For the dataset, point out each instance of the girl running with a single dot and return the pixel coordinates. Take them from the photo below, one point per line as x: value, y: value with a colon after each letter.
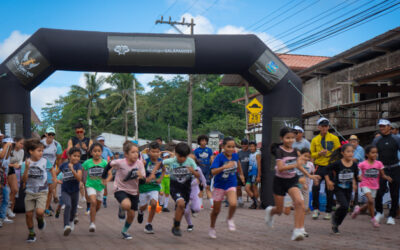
x: 72, y: 175
x: 286, y: 180
x: 14, y: 172
x: 304, y: 181
x: 129, y: 174
x: 94, y: 186
x: 35, y: 180
x: 344, y: 172
x: 370, y: 171
x: 224, y: 168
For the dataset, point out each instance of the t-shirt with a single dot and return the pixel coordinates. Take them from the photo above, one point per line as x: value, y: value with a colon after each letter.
x: 304, y: 143
x: 359, y: 153
x: 227, y: 178
x: 107, y: 154
x: 244, y: 161
x: 126, y: 175
x: 37, y: 176
x: 51, y: 151
x: 69, y: 183
x: 288, y: 158
x: 370, y: 174
x: 388, y: 146
x: 178, y: 171
x: 344, y: 175
x: 153, y: 185
x: 253, y: 166
x: 17, y: 157
x: 203, y: 155
x: 94, y: 173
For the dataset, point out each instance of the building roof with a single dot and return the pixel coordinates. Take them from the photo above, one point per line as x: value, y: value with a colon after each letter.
x: 34, y: 117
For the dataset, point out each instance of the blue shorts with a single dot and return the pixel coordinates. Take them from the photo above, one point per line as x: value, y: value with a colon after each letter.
x: 207, y: 174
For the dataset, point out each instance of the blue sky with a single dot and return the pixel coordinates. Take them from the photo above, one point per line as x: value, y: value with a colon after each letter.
x: 21, y: 18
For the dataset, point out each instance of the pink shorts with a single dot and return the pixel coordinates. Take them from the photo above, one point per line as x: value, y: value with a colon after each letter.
x: 218, y: 193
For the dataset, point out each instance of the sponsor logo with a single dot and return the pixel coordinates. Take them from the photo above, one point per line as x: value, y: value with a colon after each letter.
x: 272, y: 67
x: 121, y: 49
x: 25, y: 64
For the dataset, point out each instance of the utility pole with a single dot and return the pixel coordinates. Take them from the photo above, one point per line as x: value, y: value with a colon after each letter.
x: 190, y: 87
x: 135, y: 116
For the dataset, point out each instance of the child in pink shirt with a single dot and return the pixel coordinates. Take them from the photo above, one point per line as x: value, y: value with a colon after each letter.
x: 370, y: 171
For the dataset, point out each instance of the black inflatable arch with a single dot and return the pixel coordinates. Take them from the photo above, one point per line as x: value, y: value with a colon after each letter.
x: 49, y: 50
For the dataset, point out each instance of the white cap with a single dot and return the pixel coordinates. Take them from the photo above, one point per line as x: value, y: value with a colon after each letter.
x: 8, y: 139
x: 322, y: 119
x: 383, y: 122
x: 100, y: 138
x: 298, y: 128
x: 165, y: 154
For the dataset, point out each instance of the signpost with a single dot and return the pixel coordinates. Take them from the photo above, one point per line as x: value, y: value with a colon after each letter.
x: 255, y: 108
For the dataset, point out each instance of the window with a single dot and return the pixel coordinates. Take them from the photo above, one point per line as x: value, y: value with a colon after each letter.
x: 335, y: 96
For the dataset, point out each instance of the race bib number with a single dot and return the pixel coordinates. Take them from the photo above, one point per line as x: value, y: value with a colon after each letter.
x: 291, y: 162
x: 232, y: 170
x: 68, y: 176
x: 181, y: 174
x: 345, y: 179
x: 35, y: 173
x: 96, y: 172
x: 131, y: 175
x: 371, y: 173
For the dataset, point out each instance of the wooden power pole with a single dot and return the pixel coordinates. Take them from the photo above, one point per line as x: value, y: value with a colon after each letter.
x: 191, y: 80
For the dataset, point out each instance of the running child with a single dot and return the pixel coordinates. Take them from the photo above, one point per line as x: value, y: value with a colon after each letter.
x: 287, y: 181
x: 254, y: 174
x: 224, y: 168
x: 181, y: 169
x: 163, y: 198
x: 129, y: 174
x: 344, y: 172
x: 371, y: 169
x: 35, y: 182
x: 149, y: 190
x: 304, y: 181
x: 72, y: 175
x: 94, y: 186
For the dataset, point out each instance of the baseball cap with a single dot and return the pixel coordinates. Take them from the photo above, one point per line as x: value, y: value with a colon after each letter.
x: 323, y: 121
x: 165, y: 154
x: 394, y: 125
x: 8, y: 139
x: 298, y: 128
x: 353, y: 137
x: 100, y: 138
x: 50, y: 130
x: 383, y: 122
x: 244, y: 141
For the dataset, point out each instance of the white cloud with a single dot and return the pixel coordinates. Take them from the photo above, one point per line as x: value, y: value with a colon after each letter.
x: 11, y: 43
x: 42, y: 95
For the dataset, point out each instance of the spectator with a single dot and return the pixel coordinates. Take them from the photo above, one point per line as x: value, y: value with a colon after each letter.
x: 300, y: 142
x: 359, y: 154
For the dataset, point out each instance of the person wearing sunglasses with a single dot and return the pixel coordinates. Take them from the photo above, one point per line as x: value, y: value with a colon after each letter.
x: 52, y: 152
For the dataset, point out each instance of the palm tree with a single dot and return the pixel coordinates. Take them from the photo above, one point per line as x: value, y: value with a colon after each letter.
x: 90, y: 95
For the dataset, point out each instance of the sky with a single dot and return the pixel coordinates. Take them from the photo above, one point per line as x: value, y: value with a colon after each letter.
x: 274, y: 22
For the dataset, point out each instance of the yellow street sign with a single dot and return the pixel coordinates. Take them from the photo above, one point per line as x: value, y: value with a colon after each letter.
x: 254, y: 118
x: 254, y: 106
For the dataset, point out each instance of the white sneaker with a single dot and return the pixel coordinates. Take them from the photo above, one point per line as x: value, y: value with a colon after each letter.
x: 269, y: 219
x: 72, y: 225
x: 390, y: 221
x: 303, y: 230
x: 63, y: 207
x: 10, y: 213
x: 378, y: 217
x: 7, y: 221
x: 67, y: 230
x: 315, y: 214
x: 92, y: 227
x: 79, y: 207
x: 297, y: 234
x: 231, y: 225
x: 212, y: 233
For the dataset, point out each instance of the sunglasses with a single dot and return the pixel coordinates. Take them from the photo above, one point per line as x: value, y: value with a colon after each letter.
x: 51, y: 134
x: 79, y: 132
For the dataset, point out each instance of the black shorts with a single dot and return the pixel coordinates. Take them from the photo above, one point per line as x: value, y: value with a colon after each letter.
x: 180, y: 191
x: 122, y: 195
x: 11, y: 170
x: 282, y: 185
x: 239, y: 181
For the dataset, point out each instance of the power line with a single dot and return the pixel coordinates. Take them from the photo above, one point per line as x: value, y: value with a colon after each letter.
x: 204, y: 11
x: 190, y: 7
x: 169, y: 8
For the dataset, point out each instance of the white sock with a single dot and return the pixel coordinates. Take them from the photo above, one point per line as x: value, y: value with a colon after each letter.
x: 166, y: 202
x: 211, y: 202
x: 201, y: 202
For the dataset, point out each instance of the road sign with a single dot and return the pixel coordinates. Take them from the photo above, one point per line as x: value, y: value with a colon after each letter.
x: 254, y: 106
x: 254, y: 118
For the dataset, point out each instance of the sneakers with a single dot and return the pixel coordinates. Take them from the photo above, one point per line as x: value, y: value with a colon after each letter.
x: 87, y: 211
x: 126, y: 236
x: 10, y: 213
x: 148, y: 229
x: 297, y: 234
x: 315, y: 214
x: 355, y: 212
x: 92, y: 227
x: 378, y: 217
x: 176, y: 231
x: 327, y: 216
x: 140, y: 218
x: 57, y: 214
x: 269, y: 219
x: 79, y: 207
x: 375, y: 223
x: 41, y: 224
x: 212, y: 233
x: 390, y: 221
x: 335, y: 228
x: 105, y: 203
x: 47, y: 212
x: 190, y: 228
x: 67, y: 230
x: 63, y: 207
x: 76, y: 220
x: 121, y: 214
x: 31, y: 238
x: 231, y: 225
x: 303, y: 230
x: 72, y: 225
x: 165, y: 209
x: 7, y: 221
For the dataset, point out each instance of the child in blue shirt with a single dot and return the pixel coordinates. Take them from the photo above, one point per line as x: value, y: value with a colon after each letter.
x: 203, y: 155
x: 254, y: 174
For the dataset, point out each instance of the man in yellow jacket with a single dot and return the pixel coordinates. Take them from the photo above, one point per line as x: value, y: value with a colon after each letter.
x: 322, y: 146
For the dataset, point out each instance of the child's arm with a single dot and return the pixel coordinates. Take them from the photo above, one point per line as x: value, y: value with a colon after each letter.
x: 77, y: 174
x: 25, y: 176
x: 194, y: 172
x: 329, y: 183
x: 258, y: 157
x: 216, y: 171
x: 240, y: 170
x: 384, y: 176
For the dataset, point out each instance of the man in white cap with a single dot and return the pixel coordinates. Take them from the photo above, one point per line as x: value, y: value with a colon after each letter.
x: 388, y: 146
x: 108, y: 156
x: 395, y: 128
x: 300, y: 142
x: 322, y: 146
x: 359, y: 154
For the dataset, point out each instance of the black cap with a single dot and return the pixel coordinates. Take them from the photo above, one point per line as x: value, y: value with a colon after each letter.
x: 244, y: 141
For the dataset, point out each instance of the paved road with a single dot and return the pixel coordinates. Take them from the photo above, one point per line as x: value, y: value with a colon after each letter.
x: 252, y: 233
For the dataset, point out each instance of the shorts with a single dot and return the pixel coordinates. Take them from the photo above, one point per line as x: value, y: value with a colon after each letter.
x: 282, y: 185
x: 122, y: 195
x: 251, y: 179
x: 207, y: 174
x: 165, y: 182
x: 239, y: 181
x: 145, y: 198
x: 35, y: 201
x: 219, y: 193
x: 181, y: 191
x: 11, y: 171
x: 369, y: 190
x: 91, y: 191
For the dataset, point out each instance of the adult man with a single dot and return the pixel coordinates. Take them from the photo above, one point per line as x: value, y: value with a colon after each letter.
x: 359, y: 154
x: 322, y: 146
x: 388, y: 146
x: 52, y: 152
x: 244, y: 155
x: 108, y: 156
x: 300, y: 142
x: 395, y: 128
